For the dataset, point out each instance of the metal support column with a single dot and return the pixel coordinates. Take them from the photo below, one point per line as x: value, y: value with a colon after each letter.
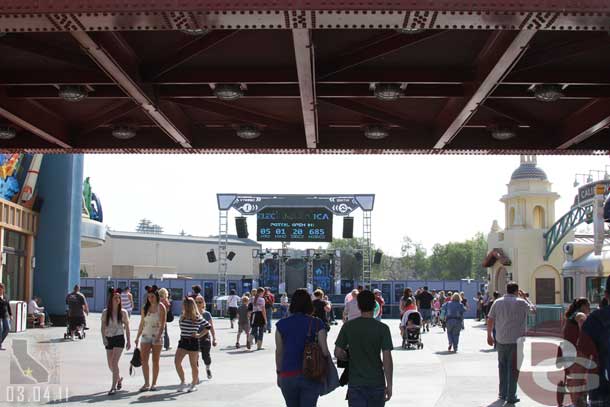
x: 223, y: 240
x: 309, y: 282
x: 337, y: 271
x: 282, y: 268
x: 367, y: 263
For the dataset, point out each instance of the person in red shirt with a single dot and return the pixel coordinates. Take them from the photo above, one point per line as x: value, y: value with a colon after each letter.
x: 381, y: 303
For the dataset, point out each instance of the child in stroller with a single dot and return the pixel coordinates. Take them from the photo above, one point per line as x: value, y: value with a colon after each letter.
x: 410, y: 330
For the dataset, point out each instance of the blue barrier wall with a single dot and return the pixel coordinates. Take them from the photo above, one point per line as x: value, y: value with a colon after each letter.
x: 57, y: 247
x: 96, y: 289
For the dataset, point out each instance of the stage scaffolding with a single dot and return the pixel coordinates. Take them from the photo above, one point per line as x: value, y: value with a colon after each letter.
x: 339, y: 205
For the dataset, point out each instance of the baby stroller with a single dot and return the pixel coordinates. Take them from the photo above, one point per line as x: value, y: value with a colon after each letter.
x: 77, y: 325
x: 411, y: 330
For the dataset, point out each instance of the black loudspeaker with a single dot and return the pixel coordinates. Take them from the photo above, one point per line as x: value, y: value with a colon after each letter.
x: 230, y: 256
x: 241, y: 225
x: 348, y: 227
x: 358, y: 256
x: 377, y: 258
x: 211, y: 256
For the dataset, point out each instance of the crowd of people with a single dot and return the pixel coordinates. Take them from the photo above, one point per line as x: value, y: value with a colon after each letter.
x: 304, y: 365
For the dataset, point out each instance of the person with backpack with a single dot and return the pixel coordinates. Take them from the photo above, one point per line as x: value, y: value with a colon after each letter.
x: 594, y: 344
x: 233, y: 303
x: 370, y: 359
x: 269, y: 300
x: 508, y: 315
x: 294, y: 336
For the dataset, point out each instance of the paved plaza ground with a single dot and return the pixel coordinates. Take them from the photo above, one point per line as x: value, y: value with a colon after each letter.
x: 426, y: 378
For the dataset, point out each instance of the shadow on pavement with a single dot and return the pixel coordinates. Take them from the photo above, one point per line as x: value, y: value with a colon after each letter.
x: 444, y: 352
x: 498, y: 403
x: 239, y: 352
x: 101, y: 397
x: 489, y: 350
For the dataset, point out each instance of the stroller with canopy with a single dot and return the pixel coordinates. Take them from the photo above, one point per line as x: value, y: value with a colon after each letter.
x: 410, y: 327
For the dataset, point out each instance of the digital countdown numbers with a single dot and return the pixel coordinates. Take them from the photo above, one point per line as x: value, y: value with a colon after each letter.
x: 294, y: 225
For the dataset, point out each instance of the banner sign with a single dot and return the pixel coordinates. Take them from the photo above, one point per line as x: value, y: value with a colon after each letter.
x: 586, y: 193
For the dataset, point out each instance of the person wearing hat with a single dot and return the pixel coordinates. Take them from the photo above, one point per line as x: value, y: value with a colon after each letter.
x: 380, y: 303
x: 594, y: 344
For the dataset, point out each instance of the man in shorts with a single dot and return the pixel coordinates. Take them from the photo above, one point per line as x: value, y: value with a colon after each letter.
x: 77, y: 309
x: 424, y: 304
x: 243, y: 321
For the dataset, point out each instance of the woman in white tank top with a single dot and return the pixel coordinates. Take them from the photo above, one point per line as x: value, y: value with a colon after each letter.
x: 115, y: 327
x: 150, y: 335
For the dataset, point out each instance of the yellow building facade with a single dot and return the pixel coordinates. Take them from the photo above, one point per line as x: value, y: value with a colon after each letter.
x: 516, y: 252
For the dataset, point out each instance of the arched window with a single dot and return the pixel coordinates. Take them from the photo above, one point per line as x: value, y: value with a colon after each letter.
x: 539, y: 218
x: 511, y: 216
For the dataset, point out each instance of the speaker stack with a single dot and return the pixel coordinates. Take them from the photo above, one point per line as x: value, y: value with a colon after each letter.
x: 241, y: 225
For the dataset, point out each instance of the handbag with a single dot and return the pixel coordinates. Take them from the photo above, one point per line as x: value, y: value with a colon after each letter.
x: 331, y: 381
x: 136, y: 361
x: 314, y: 361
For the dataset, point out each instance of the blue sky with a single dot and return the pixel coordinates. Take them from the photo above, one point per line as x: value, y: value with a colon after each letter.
x: 432, y: 199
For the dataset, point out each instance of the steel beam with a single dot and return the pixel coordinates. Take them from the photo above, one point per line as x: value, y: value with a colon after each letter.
x: 106, y: 116
x: 190, y: 49
x: 373, y: 113
x: 374, y: 49
x: 107, y: 55
x: 25, y: 43
x: 187, y: 6
x: 512, y: 114
x: 501, y: 52
x: 233, y: 112
x: 551, y: 54
x: 304, y: 55
x: 35, y: 118
x: 589, y: 120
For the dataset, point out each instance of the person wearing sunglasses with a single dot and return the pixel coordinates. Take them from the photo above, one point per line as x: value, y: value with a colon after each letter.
x: 206, y: 342
x: 150, y: 334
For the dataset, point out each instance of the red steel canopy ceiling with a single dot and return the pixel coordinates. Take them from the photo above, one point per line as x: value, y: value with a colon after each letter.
x: 467, y: 75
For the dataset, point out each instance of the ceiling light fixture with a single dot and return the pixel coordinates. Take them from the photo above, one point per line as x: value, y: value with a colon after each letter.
x: 73, y: 93
x: 248, y: 132
x: 502, y: 132
x: 388, y: 91
x: 375, y: 132
x: 548, y: 93
x: 228, y: 91
x: 123, y: 132
x: 195, y: 32
x: 7, y: 133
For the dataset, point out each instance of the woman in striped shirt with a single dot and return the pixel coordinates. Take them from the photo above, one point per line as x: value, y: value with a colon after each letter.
x: 192, y: 327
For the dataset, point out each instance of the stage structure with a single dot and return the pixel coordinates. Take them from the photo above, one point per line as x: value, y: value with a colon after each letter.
x: 294, y: 218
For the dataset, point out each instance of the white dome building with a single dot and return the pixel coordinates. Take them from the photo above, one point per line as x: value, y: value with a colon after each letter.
x: 517, y: 251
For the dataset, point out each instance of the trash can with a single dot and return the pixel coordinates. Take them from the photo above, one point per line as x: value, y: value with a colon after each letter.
x: 19, y: 309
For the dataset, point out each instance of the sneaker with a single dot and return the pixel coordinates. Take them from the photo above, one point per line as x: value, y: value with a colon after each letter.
x: 192, y: 388
x: 181, y: 387
x: 248, y: 346
x: 513, y: 401
x: 236, y: 345
x: 209, y: 373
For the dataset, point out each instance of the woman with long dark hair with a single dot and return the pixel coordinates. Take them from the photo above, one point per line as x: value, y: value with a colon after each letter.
x: 150, y: 331
x: 258, y: 317
x: 115, y: 326
x: 192, y: 327
x: 575, y: 317
x: 407, y: 294
x: 290, y: 337
x: 207, y: 341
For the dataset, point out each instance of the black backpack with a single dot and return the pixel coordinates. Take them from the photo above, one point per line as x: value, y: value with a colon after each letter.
x: 136, y: 361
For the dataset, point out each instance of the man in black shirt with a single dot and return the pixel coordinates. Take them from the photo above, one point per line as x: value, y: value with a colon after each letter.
x: 424, y: 304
